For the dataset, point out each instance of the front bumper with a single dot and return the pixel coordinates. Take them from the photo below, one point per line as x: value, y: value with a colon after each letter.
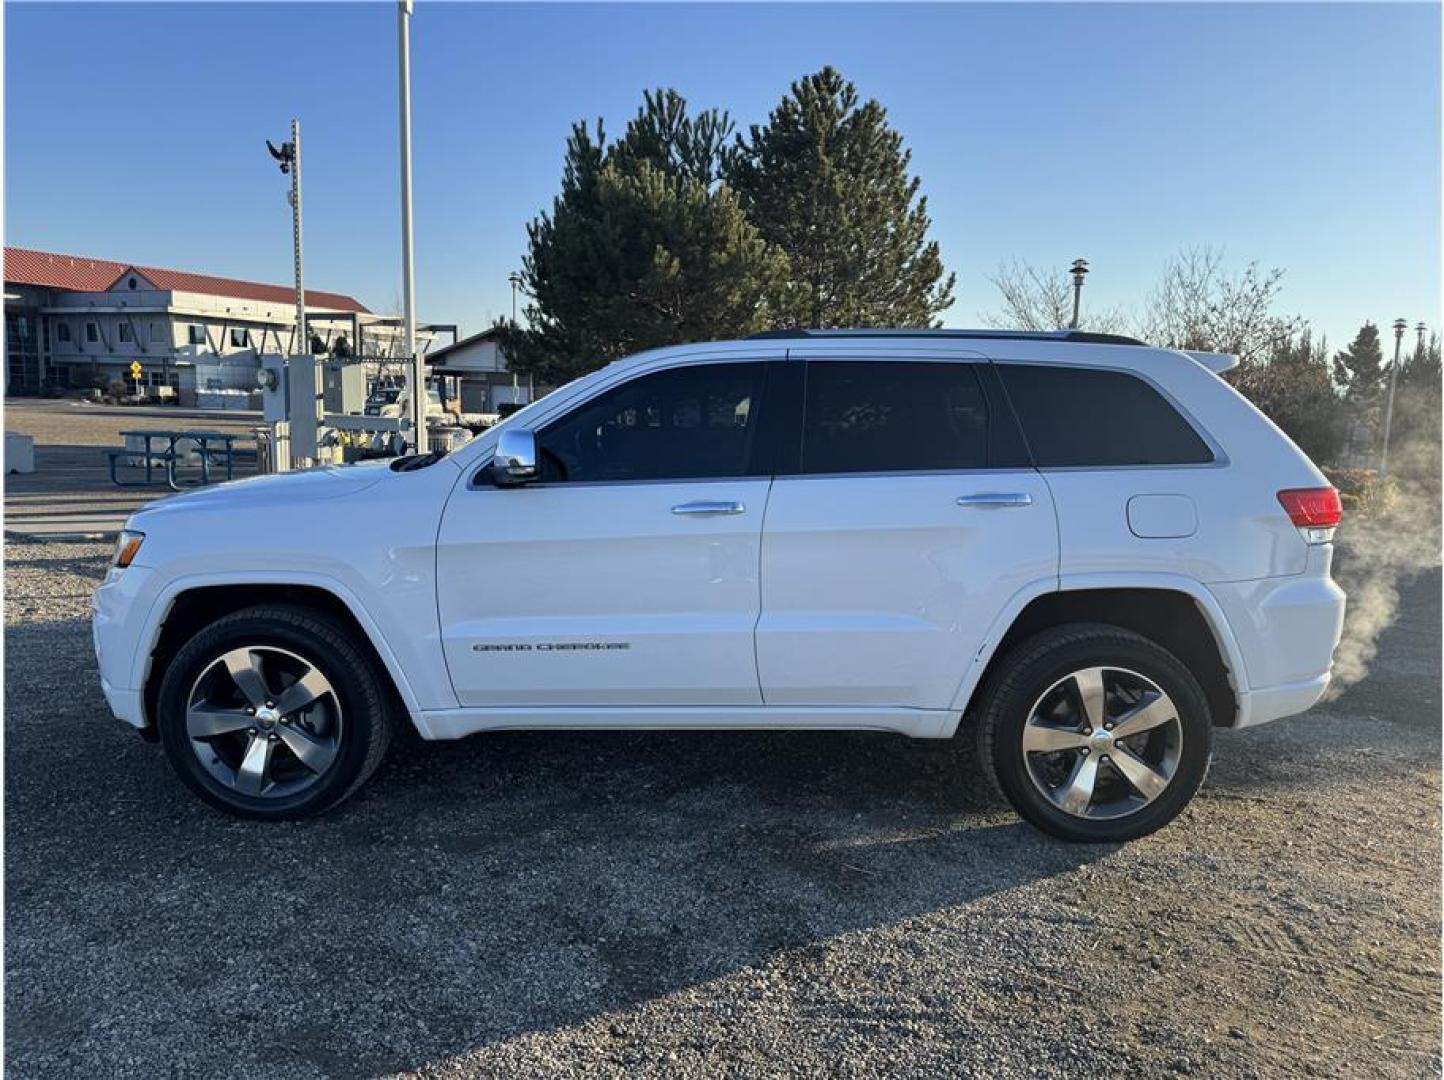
x: 118, y: 613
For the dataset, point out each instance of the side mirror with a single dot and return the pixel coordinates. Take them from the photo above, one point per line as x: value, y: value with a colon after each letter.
x: 514, y: 462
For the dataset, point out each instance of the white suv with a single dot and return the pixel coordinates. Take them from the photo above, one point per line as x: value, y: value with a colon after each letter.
x: 1077, y: 553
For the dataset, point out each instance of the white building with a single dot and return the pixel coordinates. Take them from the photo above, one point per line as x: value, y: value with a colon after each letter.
x: 483, y: 380
x: 73, y: 321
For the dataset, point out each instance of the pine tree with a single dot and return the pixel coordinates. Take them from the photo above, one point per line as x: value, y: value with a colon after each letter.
x: 826, y: 180
x: 1359, y: 370
x: 643, y: 247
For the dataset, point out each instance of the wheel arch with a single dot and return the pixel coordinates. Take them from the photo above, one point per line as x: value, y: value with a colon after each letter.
x: 189, y: 606
x: 1180, y: 616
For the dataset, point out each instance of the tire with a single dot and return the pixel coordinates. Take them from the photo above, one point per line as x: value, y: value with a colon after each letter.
x: 211, y: 727
x: 1038, y: 694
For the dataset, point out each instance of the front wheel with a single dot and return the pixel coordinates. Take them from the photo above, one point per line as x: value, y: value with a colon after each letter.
x: 1094, y: 733
x: 274, y: 712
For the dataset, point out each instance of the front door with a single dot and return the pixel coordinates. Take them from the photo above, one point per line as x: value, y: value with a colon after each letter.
x: 912, y: 517
x: 627, y: 574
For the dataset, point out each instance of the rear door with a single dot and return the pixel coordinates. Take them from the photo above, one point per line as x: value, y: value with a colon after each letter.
x: 907, y: 518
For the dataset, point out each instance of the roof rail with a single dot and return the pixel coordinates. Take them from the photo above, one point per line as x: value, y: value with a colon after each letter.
x: 1082, y: 336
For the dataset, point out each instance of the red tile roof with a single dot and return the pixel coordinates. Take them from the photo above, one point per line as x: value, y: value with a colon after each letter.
x: 75, y: 272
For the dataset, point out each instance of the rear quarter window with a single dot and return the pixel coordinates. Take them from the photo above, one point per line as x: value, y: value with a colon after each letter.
x: 1082, y: 417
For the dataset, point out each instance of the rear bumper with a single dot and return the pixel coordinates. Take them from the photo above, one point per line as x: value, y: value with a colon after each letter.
x: 1274, y: 703
x: 1287, y: 629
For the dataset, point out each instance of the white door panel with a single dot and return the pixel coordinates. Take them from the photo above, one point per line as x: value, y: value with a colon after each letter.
x: 602, y: 594
x: 878, y: 590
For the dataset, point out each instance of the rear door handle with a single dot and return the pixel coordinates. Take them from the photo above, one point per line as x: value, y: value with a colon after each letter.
x: 709, y: 509
x: 996, y: 499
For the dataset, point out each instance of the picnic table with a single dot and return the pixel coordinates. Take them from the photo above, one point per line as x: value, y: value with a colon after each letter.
x: 217, y: 446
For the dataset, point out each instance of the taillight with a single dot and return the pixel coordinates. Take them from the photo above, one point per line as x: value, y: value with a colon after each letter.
x: 1314, y: 510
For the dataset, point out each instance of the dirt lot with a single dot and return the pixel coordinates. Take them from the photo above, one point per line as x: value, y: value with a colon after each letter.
x: 711, y: 903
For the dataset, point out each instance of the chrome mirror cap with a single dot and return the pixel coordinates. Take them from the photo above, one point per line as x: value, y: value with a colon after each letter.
x: 515, y: 460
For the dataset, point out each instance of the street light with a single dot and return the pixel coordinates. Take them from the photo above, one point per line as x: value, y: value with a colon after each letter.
x: 1079, y: 268
x: 1399, y: 327
x: 1421, y: 328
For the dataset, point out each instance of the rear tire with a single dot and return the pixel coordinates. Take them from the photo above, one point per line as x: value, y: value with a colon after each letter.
x: 274, y: 712
x: 1045, y: 730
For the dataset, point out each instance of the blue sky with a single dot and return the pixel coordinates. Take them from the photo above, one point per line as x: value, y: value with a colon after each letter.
x: 1307, y: 137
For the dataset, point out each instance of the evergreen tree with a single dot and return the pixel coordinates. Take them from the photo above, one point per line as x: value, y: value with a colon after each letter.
x: 826, y: 180
x: 644, y: 247
x: 1359, y: 370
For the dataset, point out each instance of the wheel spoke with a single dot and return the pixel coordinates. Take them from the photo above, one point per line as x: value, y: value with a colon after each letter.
x: 251, y: 774
x: 1076, y: 793
x: 302, y: 692
x: 245, y: 668
x: 1139, y: 773
x: 1089, y: 682
x: 1042, y: 739
x: 1140, y: 718
x: 315, y: 754
x: 206, y: 722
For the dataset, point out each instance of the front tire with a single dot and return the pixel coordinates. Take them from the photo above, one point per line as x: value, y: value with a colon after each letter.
x: 1094, y: 733
x: 274, y: 712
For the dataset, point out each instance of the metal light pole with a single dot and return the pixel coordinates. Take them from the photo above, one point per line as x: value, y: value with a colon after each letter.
x: 289, y: 155
x: 1420, y: 329
x: 1399, y: 326
x: 417, y: 376
x: 1079, y: 268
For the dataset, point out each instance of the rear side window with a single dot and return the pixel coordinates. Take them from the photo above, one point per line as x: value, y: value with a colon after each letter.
x: 1089, y: 417
x: 893, y: 416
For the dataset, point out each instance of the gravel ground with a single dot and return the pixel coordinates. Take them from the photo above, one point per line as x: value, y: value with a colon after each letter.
x: 672, y: 904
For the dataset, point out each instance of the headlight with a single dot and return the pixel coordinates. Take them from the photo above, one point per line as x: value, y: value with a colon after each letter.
x: 127, y: 545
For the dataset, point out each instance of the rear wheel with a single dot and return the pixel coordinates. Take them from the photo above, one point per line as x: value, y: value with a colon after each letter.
x: 1094, y: 733
x: 274, y: 712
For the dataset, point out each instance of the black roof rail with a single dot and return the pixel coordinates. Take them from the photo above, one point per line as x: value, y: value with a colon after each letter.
x: 1081, y: 336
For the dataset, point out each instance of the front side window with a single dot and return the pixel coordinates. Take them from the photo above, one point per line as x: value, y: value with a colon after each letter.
x: 893, y: 416
x: 92, y: 332
x: 686, y: 423
x: 62, y: 331
x: 126, y: 333
x: 196, y: 335
x: 1089, y: 417
x: 240, y: 339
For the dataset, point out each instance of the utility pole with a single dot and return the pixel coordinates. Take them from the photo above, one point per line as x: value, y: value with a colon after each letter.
x: 417, y: 376
x: 1079, y: 268
x: 1399, y: 327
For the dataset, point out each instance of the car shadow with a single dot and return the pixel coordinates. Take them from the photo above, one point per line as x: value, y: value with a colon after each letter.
x: 474, y: 892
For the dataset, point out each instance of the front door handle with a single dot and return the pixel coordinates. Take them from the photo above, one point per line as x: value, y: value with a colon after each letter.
x: 709, y: 509
x: 996, y: 499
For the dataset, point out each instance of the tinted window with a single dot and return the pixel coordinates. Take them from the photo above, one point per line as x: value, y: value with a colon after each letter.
x: 892, y: 416
x: 683, y: 423
x: 1084, y: 416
